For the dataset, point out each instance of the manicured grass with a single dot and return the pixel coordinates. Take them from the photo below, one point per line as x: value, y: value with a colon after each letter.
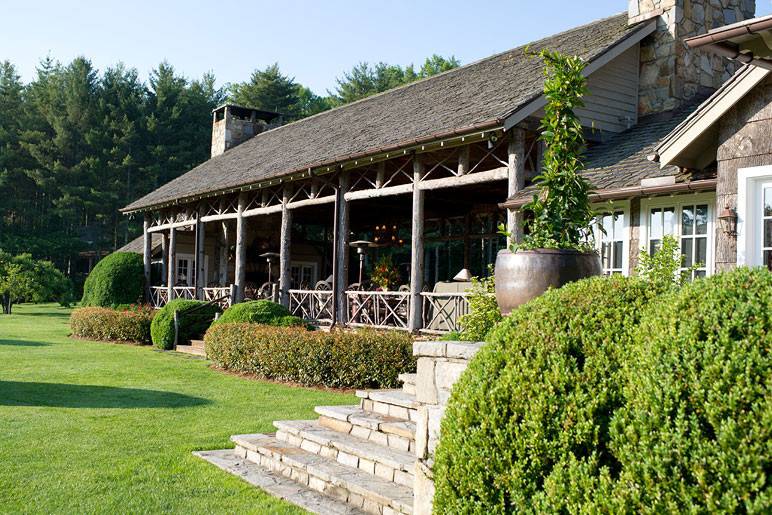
x: 90, y: 427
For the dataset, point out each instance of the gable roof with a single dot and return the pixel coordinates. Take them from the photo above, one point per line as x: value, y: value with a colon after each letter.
x: 478, y: 96
x: 625, y: 158
x: 693, y: 143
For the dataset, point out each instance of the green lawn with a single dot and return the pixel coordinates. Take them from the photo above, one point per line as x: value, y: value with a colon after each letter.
x: 91, y: 427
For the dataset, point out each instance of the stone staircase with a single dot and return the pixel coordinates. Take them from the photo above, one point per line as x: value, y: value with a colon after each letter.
x: 351, y: 459
x: 196, y: 348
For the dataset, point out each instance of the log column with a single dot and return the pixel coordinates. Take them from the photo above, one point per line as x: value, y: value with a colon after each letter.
x: 284, y: 251
x: 172, y: 263
x: 164, y: 258
x: 341, y: 237
x: 516, y: 182
x: 224, y: 247
x: 241, y: 250
x: 200, y: 256
x: 415, y: 321
x: 147, y: 255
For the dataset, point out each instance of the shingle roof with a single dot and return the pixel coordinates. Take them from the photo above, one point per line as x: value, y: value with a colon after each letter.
x: 475, y: 96
x: 623, y: 160
x: 137, y: 245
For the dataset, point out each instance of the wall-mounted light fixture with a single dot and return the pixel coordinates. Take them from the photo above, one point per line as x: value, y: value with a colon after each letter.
x: 728, y: 220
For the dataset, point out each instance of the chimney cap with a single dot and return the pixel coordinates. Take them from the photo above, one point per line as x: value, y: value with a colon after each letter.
x: 245, y: 111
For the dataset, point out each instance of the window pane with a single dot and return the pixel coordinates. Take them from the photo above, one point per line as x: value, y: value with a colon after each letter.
x: 653, y: 246
x: 768, y: 201
x: 686, y: 250
x: 768, y: 233
x: 702, y: 219
x: 699, y: 273
x: 606, y: 255
x: 668, y: 219
x: 617, y: 254
x: 608, y: 226
x: 768, y: 259
x: 655, y: 224
x: 619, y: 225
x: 687, y: 220
x: 701, y: 254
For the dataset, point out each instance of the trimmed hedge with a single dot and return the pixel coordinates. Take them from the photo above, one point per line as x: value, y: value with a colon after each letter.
x: 696, y: 433
x: 339, y: 359
x: 116, y: 279
x: 192, y: 325
x: 527, y: 424
x: 255, y: 311
x: 127, y: 325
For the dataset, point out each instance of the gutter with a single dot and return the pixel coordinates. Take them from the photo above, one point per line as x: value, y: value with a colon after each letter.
x: 717, y: 41
x: 631, y: 192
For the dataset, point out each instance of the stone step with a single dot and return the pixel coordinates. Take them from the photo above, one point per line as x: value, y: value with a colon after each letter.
x: 381, y: 429
x: 189, y: 349
x: 394, y: 403
x: 385, y: 462
x: 370, y: 493
x: 408, y: 383
x: 276, y: 484
x: 199, y: 344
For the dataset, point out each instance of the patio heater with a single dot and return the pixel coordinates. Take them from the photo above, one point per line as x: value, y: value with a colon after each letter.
x: 361, y: 246
x: 270, y: 258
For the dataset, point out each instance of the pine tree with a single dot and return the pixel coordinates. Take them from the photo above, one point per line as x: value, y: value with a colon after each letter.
x: 269, y: 90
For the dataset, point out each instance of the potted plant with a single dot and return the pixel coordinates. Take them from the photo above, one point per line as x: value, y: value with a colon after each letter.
x: 557, y: 247
x: 385, y: 275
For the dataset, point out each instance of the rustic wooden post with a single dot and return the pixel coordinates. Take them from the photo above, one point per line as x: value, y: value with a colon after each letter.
x: 463, y: 160
x: 241, y: 249
x: 224, y: 247
x: 415, y: 321
x: 172, y: 266
x: 147, y: 254
x: 200, y: 256
x: 284, y: 249
x: 164, y: 258
x: 341, y: 237
x: 380, y: 175
x: 516, y: 182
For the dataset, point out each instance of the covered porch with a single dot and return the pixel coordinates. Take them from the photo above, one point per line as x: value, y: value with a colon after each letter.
x: 312, y: 241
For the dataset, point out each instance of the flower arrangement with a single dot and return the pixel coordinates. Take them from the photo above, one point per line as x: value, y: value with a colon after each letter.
x: 385, y: 275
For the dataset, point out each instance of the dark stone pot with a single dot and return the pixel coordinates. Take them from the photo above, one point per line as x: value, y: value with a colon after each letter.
x: 526, y: 274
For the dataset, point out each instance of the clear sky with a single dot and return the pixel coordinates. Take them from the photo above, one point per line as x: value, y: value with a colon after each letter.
x: 313, y: 41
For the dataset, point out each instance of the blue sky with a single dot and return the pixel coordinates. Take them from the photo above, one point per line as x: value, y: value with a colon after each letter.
x: 314, y: 41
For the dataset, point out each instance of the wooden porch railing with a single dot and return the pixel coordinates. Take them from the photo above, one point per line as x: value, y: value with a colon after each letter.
x: 221, y: 294
x: 379, y: 309
x: 442, y: 311
x: 184, y: 292
x: 312, y: 305
x: 159, y: 296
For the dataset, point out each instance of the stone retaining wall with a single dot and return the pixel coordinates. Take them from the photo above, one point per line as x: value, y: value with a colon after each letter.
x: 440, y: 364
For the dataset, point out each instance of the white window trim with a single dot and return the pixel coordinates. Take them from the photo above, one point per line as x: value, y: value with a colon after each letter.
x: 678, y: 201
x: 313, y: 264
x: 748, y: 244
x: 190, y: 280
x: 617, y: 205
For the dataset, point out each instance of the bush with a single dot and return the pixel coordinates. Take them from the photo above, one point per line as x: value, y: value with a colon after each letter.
x: 256, y: 312
x: 484, y: 311
x: 117, y: 279
x: 192, y: 325
x: 339, y: 359
x: 527, y: 424
x: 696, y: 430
x: 129, y: 325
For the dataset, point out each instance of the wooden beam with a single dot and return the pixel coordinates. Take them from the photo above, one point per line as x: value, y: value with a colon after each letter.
x: 241, y: 250
x: 219, y: 218
x: 224, y: 248
x: 258, y: 211
x: 175, y: 225
x: 341, y: 240
x: 200, y: 273
x: 164, y: 257
x: 463, y: 161
x: 380, y: 175
x: 497, y: 174
x: 172, y: 266
x: 329, y: 199
x: 415, y: 321
x: 284, y: 254
x: 147, y: 249
x: 516, y: 182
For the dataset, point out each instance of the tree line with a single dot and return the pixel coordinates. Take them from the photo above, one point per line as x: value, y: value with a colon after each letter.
x: 77, y: 144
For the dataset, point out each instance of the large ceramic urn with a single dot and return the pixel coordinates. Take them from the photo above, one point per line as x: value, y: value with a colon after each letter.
x: 523, y: 275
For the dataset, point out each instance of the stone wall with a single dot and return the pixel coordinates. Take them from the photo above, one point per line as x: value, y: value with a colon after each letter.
x: 745, y: 140
x: 670, y: 72
x: 440, y: 364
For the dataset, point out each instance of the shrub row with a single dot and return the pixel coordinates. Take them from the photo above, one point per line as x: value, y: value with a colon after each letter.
x: 339, y: 359
x: 125, y: 325
x: 194, y: 318
x: 605, y: 396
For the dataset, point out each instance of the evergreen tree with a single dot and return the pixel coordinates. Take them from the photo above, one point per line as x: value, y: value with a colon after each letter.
x: 269, y: 90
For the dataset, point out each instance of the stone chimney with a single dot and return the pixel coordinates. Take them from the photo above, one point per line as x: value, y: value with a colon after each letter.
x: 233, y: 124
x: 671, y: 73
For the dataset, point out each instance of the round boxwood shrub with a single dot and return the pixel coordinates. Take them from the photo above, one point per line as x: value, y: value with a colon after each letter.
x: 192, y: 325
x: 256, y: 312
x: 527, y: 424
x: 117, y: 279
x: 695, y: 435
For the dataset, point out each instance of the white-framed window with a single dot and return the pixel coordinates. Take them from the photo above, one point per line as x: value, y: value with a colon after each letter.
x: 186, y: 269
x: 303, y: 274
x: 688, y: 218
x: 613, y: 241
x: 754, y: 216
